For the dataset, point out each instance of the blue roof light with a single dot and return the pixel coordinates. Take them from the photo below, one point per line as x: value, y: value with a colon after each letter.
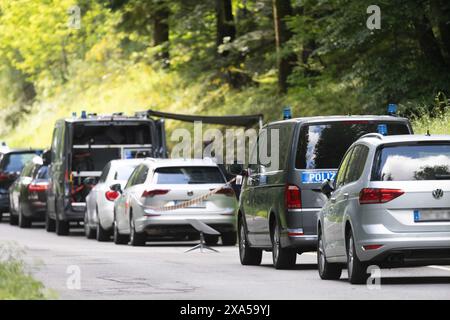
x: 287, y: 113
x: 392, y: 109
x: 382, y: 129
x: 83, y: 114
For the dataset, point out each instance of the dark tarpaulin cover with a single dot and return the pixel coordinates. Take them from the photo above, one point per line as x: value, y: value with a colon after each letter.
x: 234, y: 120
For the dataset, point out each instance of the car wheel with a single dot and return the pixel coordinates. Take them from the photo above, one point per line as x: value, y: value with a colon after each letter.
x: 49, y: 223
x: 1, y: 216
x: 327, y: 271
x: 102, y: 234
x: 13, y: 219
x: 211, y: 240
x: 62, y: 227
x: 357, y: 270
x: 248, y: 256
x: 229, y: 238
x: 283, y: 258
x: 24, y: 222
x: 89, y: 232
x: 137, y: 239
x: 119, y: 238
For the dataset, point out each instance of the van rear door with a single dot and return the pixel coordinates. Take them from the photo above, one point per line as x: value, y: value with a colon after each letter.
x: 322, y: 145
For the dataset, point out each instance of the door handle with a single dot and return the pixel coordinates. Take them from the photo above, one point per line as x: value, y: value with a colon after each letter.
x: 333, y: 200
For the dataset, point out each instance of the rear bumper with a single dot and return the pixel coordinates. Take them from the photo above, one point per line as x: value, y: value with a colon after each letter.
x: 175, y: 224
x: 74, y: 212
x: 407, y: 249
x: 4, y: 202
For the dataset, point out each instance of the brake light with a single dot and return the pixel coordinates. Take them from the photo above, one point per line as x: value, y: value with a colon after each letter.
x: 38, y: 187
x: 3, y: 176
x: 111, y: 195
x: 376, y: 195
x: 155, y: 192
x: 372, y: 247
x: 227, y: 192
x: 292, y: 197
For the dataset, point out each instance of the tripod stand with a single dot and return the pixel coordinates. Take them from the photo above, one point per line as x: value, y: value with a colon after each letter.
x: 203, y: 228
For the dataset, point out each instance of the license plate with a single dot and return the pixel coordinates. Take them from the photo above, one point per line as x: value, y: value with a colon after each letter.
x: 436, y: 215
x: 195, y: 205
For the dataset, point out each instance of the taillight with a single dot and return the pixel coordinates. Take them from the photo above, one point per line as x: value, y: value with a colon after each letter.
x: 155, y: 192
x: 377, y: 195
x: 292, y: 197
x: 227, y: 192
x: 4, y: 176
x: 111, y: 195
x: 38, y: 187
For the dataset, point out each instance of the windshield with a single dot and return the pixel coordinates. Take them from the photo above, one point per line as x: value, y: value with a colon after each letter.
x: 111, y: 133
x: 14, y: 162
x: 413, y: 162
x: 322, y: 146
x: 189, y: 175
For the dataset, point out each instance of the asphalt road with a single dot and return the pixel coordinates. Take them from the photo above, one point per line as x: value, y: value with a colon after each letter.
x: 164, y: 271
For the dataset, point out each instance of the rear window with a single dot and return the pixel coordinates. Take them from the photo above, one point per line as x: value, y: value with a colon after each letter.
x: 14, y: 162
x: 111, y: 133
x: 322, y: 146
x: 413, y: 162
x: 188, y: 175
x: 123, y: 173
x: 42, y: 173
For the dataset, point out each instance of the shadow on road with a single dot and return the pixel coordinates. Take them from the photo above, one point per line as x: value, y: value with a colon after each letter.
x: 299, y: 266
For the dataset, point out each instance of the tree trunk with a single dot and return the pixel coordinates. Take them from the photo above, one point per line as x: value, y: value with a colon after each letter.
x: 428, y: 42
x: 285, y: 60
x: 161, y: 31
x: 441, y: 11
x: 226, y: 30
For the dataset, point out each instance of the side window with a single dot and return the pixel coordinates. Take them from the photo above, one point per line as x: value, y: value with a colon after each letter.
x: 133, y: 177
x: 357, y: 163
x: 340, y: 179
x: 55, y: 142
x: 263, y: 148
x: 105, y: 173
x: 142, y: 176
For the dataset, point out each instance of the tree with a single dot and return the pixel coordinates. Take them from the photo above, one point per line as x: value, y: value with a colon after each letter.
x: 226, y: 30
x: 285, y: 58
x: 160, y: 19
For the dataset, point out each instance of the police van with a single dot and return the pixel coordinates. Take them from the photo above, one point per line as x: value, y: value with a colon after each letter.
x: 81, y: 147
x: 278, y: 206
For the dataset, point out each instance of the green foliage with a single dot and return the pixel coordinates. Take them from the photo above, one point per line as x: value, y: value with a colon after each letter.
x: 15, y: 282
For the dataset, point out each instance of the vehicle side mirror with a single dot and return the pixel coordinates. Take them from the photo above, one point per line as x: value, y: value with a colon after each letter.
x: 89, y: 181
x: 47, y: 157
x: 327, y: 188
x: 116, y: 187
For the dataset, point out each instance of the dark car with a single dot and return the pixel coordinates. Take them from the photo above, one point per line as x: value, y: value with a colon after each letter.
x: 279, y: 206
x: 11, y: 164
x: 28, y: 199
x: 81, y: 147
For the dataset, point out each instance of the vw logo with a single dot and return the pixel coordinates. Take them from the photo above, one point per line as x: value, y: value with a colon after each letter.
x: 190, y: 193
x: 438, y: 193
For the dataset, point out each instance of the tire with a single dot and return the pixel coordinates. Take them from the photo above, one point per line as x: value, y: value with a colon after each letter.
x: 24, y: 222
x: 119, y: 238
x: 1, y: 216
x: 211, y: 240
x: 248, y: 256
x: 137, y: 239
x: 89, y: 232
x: 50, y: 225
x: 357, y: 270
x: 229, y: 238
x: 62, y: 227
x: 13, y: 219
x: 283, y: 258
x: 327, y: 271
x: 101, y: 234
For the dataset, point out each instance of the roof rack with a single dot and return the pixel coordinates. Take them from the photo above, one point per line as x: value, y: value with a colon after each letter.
x: 373, y: 135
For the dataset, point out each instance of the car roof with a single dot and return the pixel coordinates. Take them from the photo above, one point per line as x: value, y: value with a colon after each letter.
x: 120, y: 162
x: 155, y: 162
x: 377, y: 139
x: 338, y: 118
